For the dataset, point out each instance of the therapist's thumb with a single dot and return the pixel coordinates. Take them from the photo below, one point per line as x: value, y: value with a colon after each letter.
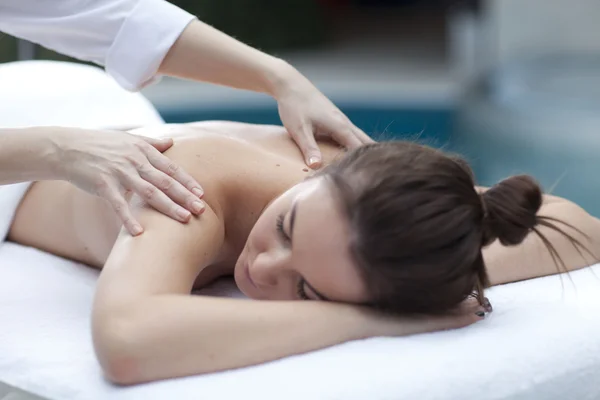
x: 305, y: 139
x: 161, y: 145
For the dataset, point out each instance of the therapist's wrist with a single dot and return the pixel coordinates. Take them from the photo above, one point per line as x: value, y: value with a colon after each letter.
x: 280, y: 78
x: 55, y: 142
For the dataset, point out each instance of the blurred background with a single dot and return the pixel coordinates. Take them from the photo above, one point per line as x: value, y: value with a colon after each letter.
x: 513, y: 85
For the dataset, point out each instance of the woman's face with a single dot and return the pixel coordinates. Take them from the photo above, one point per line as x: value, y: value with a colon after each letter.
x: 298, y: 250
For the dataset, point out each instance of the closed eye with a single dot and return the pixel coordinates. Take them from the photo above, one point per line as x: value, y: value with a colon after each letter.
x: 281, y: 231
x: 300, y: 290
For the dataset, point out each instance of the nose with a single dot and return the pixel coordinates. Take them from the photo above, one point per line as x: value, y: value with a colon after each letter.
x: 267, y: 268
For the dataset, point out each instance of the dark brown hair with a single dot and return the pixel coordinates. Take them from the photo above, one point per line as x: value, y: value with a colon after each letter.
x: 418, y: 223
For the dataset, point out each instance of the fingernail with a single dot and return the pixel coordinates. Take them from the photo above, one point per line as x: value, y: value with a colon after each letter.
x: 197, y: 206
x: 313, y: 161
x: 198, y: 192
x: 488, y: 306
x: 137, y: 230
x: 183, y: 214
x: 480, y: 314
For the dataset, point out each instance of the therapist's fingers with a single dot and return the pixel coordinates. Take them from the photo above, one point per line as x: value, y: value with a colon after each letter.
x: 173, y: 189
x: 121, y: 208
x: 158, y: 200
x: 161, y: 145
x: 346, y: 137
x: 170, y: 168
x: 362, y: 136
x: 305, y: 139
x: 348, y: 134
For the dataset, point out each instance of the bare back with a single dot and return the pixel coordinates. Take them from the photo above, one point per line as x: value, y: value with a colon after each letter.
x: 242, y: 167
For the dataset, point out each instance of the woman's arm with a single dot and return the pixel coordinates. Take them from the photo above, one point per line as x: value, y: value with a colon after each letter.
x: 532, y: 259
x: 147, y: 326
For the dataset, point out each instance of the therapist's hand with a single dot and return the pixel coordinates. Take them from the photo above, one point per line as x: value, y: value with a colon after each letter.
x: 114, y: 164
x: 306, y: 113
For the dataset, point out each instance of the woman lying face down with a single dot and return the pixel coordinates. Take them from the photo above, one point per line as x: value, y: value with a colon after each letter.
x: 387, y: 231
x: 396, y: 226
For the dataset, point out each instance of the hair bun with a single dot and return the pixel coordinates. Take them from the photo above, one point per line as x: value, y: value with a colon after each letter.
x: 510, y: 210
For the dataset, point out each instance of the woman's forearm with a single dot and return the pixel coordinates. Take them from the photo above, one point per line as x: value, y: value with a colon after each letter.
x: 179, y: 335
x: 203, y: 53
x: 27, y: 154
x: 533, y: 259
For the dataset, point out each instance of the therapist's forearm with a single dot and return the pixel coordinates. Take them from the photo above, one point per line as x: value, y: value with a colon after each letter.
x: 27, y: 154
x: 203, y: 53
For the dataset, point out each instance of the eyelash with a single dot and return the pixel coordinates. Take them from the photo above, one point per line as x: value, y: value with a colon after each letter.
x: 280, y: 230
x: 300, y: 290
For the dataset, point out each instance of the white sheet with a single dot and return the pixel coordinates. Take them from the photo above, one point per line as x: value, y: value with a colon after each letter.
x: 10, y: 198
x: 540, y: 343
x: 53, y: 93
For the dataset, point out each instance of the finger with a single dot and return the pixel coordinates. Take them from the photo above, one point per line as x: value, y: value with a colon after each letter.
x: 169, y: 167
x: 453, y: 321
x: 468, y: 307
x: 160, y: 201
x: 173, y: 189
x: 344, y: 135
x: 467, y: 319
x: 121, y: 208
x: 305, y: 139
x: 362, y: 136
x: 487, y: 305
x: 161, y: 145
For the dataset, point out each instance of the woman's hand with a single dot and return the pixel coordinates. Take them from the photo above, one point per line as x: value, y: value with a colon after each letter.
x: 466, y: 314
x: 306, y: 113
x: 114, y: 164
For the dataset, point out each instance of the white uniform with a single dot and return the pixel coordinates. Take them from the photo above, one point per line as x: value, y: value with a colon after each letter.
x: 129, y: 38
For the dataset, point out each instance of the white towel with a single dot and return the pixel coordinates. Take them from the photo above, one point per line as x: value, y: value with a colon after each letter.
x: 52, y: 93
x: 10, y: 198
x: 541, y: 342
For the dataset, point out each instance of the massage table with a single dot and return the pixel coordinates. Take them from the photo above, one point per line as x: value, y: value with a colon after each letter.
x: 541, y: 342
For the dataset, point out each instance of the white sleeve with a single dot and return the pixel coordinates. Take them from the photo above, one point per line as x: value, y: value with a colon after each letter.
x: 129, y: 38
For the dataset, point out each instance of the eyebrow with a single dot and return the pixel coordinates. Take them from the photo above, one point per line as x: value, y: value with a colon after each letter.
x: 292, y: 221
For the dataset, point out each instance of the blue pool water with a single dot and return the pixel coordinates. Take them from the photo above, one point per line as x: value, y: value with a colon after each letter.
x: 431, y: 125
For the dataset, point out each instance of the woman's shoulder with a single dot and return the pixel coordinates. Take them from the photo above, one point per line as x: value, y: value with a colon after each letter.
x: 232, y: 160
x: 230, y: 138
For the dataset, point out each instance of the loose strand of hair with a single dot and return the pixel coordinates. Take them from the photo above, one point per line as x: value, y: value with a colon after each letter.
x: 576, y: 243
x: 556, y: 258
